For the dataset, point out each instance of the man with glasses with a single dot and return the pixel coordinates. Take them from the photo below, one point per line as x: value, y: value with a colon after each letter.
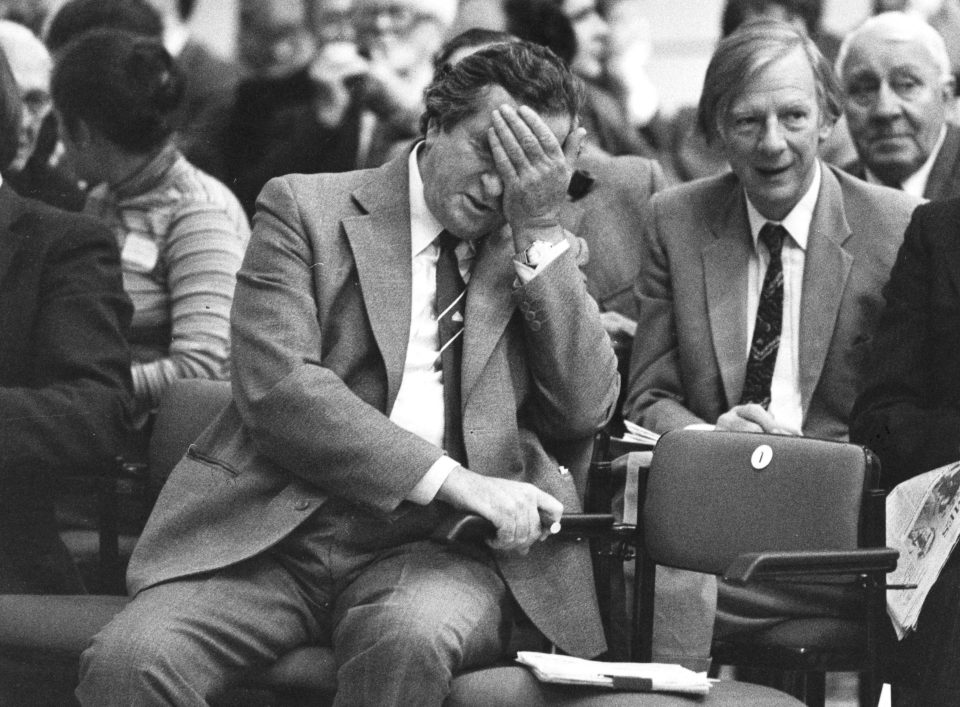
x: 31, y: 172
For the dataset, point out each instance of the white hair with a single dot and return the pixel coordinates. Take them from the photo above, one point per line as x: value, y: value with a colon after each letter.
x: 23, y: 49
x: 898, y: 26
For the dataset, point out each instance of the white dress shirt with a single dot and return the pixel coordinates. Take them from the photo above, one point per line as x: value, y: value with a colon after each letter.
x: 785, y: 387
x: 419, y: 404
x: 916, y: 183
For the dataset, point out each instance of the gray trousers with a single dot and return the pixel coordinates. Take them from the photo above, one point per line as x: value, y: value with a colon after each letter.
x: 402, y: 620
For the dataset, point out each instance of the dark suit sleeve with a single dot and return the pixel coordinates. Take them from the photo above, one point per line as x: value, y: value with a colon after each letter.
x: 909, y: 412
x: 67, y: 405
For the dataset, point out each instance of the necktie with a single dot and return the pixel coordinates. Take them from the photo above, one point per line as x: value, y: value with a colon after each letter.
x: 451, y: 295
x: 766, y: 331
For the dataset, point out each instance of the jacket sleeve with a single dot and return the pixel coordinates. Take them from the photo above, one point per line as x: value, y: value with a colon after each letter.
x: 299, y: 413
x: 71, y: 408
x: 655, y: 395
x: 904, y: 414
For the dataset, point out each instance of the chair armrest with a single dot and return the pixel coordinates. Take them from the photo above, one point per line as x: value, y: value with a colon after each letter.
x: 755, y: 567
x: 469, y: 528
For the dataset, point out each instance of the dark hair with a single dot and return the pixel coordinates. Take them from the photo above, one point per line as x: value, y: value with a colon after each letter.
x: 186, y: 8
x: 533, y: 75
x: 542, y: 22
x: 473, y: 37
x: 126, y: 86
x: 79, y: 16
x: 741, y: 56
x: 11, y: 112
x: 736, y: 12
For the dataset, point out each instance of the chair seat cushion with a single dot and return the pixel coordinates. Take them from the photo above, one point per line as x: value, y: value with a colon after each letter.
x: 510, y: 686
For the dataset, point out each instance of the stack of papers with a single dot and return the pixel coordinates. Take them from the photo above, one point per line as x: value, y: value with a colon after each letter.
x: 640, y: 435
x: 638, y: 677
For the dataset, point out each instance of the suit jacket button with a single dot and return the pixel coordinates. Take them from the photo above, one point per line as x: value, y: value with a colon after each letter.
x: 534, y: 326
x: 301, y: 505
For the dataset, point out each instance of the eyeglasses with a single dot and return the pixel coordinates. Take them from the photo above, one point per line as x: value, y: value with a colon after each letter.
x: 392, y: 17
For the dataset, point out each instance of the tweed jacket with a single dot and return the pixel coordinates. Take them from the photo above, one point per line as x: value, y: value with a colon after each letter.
x: 320, y: 327
x: 689, y: 358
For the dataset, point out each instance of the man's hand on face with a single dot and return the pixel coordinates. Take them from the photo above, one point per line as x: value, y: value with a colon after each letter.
x: 521, y: 512
x: 753, y: 418
x: 534, y: 169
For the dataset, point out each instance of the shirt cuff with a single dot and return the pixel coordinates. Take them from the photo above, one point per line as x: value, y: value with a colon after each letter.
x: 702, y: 426
x: 525, y: 273
x: 426, y: 489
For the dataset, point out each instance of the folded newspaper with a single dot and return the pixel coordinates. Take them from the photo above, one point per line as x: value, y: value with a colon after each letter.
x: 637, y: 677
x: 638, y: 434
x: 923, y: 523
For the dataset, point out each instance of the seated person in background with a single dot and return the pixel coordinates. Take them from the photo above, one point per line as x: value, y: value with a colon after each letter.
x: 353, y: 432
x: 898, y: 92
x: 210, y: 79
x: 181, y: 233
x: 31, y: 173
x: 909, y: 414
x: 65, y: 388
x: 759, y: 290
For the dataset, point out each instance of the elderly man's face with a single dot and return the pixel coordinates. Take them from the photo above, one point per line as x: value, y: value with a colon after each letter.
x: 31, y: 70
x: 461, y: 184
x: 771, y: 132
x: 896, y: 101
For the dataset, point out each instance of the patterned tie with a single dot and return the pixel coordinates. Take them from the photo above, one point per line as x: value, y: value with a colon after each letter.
x: 766, y: 331
x: 451, y: 295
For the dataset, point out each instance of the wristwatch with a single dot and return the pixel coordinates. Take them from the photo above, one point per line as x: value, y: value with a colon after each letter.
x: 535, y: 253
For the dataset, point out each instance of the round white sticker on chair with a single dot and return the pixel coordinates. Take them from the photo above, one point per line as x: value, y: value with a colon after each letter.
x: 761, y: 457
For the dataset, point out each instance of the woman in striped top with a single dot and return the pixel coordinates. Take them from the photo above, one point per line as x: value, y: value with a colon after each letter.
x: 181, y: 232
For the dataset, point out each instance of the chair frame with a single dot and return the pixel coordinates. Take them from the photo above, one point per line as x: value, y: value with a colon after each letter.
x: 869, y: 564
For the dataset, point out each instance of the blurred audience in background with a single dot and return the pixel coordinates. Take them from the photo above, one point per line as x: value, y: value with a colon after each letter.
x: 181, y: 233
x: 208, y: 79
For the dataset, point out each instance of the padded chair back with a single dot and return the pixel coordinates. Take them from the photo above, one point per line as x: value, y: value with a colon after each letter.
x: 713, y: 496
x: 188, y: 406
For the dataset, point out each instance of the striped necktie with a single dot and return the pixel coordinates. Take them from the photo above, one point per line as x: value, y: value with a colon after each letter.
x: 766, y: 330
x: 451, y: 296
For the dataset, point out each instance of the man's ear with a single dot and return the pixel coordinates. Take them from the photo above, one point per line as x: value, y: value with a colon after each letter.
x: 948, y: 88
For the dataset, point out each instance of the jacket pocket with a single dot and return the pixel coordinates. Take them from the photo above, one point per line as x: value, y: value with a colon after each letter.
x: 198, y: 456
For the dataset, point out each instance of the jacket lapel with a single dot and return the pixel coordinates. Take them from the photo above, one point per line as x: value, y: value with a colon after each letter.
x: 10, y: 234
x: 825, y: 274
x: 941, y: 184
x: 380, y: 240
x: 725, y: 261
x: 489, y: 305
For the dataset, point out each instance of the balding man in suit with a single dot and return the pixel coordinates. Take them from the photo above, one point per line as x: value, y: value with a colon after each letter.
x: 759, y: 290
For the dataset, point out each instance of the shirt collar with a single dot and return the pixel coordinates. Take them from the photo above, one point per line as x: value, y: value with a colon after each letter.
x: 798, y: 221
x: 916, y: 183
x: 149, y: 176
